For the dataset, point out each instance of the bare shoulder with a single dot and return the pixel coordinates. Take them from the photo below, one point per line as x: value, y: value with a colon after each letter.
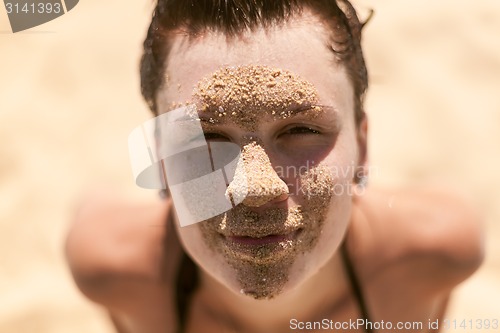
x: 113, y: 241
x: 429, y: 231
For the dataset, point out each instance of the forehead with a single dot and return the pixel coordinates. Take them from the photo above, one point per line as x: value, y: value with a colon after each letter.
x: 300, y: 46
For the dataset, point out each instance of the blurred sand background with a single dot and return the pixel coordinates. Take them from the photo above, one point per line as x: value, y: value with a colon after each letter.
x: 69, y: 96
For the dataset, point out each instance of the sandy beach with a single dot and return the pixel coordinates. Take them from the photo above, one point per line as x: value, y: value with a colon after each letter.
x: 69, y: 97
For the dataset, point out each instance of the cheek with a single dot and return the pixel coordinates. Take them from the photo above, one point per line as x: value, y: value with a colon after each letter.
x: 193, y: 243
x: 332, y: 207
x: 342, y: 166
x: 337, y: 157
x: 325, y: 192
x: 325, y: 183
x: 337, y: 220
x: 190, y: 239
x: 328, y: 188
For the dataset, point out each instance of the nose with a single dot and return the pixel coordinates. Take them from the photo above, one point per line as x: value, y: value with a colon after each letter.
x: 254, y: 170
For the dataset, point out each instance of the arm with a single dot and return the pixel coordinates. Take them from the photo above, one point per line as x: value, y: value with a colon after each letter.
x: 426, y: 242
x: 436, y: 229
x: 116, y: 250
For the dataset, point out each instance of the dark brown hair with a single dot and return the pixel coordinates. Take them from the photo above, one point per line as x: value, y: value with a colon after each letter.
x: 232, y: 17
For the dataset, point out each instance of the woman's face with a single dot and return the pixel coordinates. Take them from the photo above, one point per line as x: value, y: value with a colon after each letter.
x: 281, y: 96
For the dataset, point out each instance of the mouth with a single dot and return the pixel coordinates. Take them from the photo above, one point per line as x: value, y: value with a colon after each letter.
x: 265, y: 240
x: 247, y: 235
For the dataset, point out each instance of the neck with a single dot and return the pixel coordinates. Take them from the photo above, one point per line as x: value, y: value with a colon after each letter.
x: 311, y: 300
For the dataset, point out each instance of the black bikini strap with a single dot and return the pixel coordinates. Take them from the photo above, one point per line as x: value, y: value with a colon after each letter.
x: 186, y: 279
x: 186, y: 284
x: 356, y: 287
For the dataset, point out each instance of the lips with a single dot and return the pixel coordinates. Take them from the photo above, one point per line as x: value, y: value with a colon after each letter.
x: 269, y: 239
x: 241, y: 223
x: 261, y: 250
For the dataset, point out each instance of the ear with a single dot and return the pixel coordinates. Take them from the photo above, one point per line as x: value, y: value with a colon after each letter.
x: 164, y: 193
x: 362, y: 141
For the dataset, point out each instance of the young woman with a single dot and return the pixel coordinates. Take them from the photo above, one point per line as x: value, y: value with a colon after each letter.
x: 306, y: 246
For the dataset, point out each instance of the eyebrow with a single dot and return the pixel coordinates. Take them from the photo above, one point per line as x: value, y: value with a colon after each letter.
x: 211, y: 114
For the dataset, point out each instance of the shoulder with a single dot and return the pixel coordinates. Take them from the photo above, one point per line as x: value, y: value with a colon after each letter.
x: 431, y: 234
x: 113, y: 241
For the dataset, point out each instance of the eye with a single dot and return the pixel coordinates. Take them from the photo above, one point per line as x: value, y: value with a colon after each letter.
x: 301, y: 130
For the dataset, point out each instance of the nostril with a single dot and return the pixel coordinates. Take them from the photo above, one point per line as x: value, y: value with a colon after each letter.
x: 260, y: 199
x: 280, y: 198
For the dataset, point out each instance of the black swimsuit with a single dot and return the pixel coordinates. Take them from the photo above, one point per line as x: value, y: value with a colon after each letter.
x: 356, y: 286
x: 187, y: 282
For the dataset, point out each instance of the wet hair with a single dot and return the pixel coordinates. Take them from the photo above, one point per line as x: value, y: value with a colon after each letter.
x: 232, y: 17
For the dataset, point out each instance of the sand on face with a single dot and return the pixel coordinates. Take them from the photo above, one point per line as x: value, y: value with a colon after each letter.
x: 69, y: 97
